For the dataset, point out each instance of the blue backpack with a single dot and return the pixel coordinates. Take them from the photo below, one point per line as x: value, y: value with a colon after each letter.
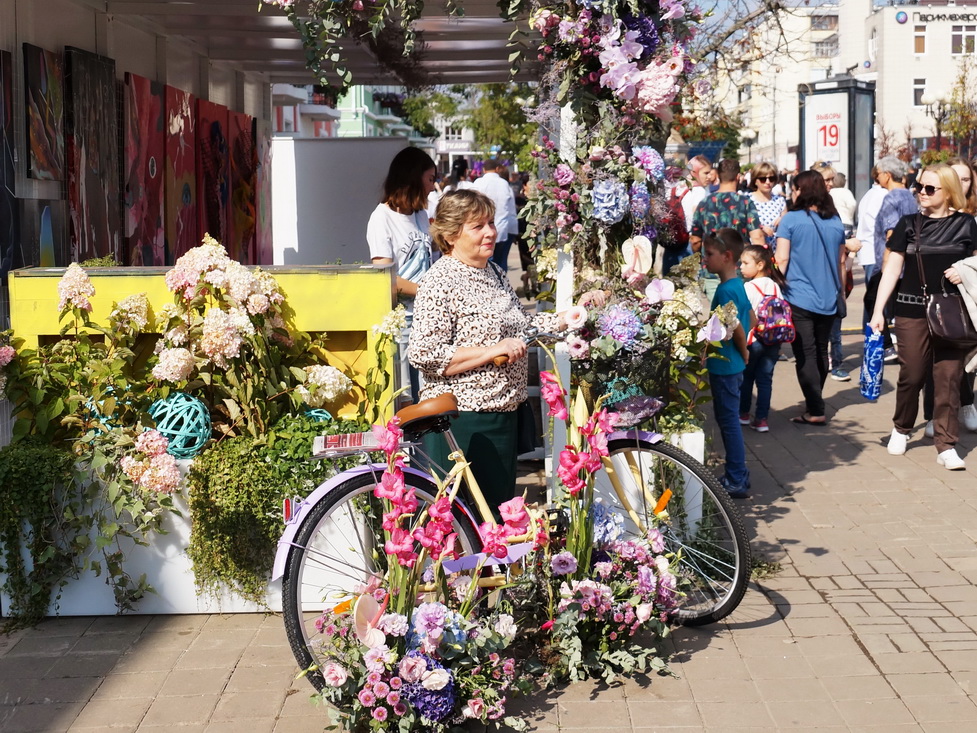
x: 775, y: 321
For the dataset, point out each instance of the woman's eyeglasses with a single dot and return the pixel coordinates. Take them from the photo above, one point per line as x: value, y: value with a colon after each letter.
x: 928, y: 190
x: 766, y: 179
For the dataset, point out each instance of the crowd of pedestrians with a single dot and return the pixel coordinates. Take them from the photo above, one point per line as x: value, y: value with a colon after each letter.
x: 797, y: 238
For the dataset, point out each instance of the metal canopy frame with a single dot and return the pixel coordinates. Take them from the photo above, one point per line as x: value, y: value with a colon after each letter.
x: 465, y: 50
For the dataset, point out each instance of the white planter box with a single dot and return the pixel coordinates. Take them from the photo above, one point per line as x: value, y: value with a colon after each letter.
x: 168, y: 570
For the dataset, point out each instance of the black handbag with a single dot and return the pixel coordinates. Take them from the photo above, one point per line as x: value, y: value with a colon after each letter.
x: 946, y: 313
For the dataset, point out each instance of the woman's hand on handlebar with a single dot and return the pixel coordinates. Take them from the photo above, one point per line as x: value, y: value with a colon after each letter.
x: 508, y: 350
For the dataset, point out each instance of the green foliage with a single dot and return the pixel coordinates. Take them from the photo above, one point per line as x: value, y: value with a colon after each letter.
x: 236, y: 493
x: 106, y: 261
x: 496, y: 114
x: 33, y: 478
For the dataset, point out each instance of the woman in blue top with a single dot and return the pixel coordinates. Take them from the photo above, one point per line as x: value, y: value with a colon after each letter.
x: 811, y: 255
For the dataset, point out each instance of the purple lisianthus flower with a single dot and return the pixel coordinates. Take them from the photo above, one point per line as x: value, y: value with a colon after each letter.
x: 429, y: 618
x: 563, y: 563
x: 647, y: 580
x: 564, y: 174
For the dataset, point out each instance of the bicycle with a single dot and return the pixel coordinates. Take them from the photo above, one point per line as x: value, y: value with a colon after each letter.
x: 328, y: 551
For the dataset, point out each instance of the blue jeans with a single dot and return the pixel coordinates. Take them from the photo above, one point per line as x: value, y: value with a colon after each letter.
x: 835, y: 341
x: 671, y: 257
x: 726, y: 401
x: 501, y: 254
x: 759, y: 371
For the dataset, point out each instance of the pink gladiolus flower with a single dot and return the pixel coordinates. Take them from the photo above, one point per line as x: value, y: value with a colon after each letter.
x: 515, y: 516
x: 401, y: 546
x: 571, y: 463
x: 493, y: 540
x: 388, y: 436
x: 391, y: 486
x: 598, y: 443
x: 441, y: 509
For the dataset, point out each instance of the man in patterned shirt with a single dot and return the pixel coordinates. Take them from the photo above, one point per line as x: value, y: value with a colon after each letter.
x: 725, y: 208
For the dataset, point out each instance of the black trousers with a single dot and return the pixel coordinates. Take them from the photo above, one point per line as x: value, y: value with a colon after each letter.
x: 810, y: 348
x: 871, y: 291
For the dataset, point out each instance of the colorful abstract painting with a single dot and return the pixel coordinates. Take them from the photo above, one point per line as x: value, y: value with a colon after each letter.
x: 43, y: 237
x: 44, y: 85
x: 180, y: 186
x: 213, y: 176
x: 93, y: 142
x: 241, y: 215
x: 266, y: 252
x: 144, y: 152
x: 9, y: 232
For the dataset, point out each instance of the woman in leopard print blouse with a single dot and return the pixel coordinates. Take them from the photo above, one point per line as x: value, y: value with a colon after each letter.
x: 465, y: 315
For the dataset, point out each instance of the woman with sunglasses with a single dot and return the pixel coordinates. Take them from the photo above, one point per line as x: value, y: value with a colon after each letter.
x: 968, y: 414
x: 946, y: 234
x: 811, y: 254
x: 769, y: 206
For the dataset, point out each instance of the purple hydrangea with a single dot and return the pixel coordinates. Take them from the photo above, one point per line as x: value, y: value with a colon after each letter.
x: 563, y: 563
x: 634, y: 410
x: 608, y: 524
x: 651, y: 161
x: 434, y: 705
x: 640, y: 200
x: 610, y: 200
x: 620, y: 324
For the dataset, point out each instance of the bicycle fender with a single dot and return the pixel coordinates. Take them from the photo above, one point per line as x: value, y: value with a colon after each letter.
x: 286, y: 542
x: 634, y: 434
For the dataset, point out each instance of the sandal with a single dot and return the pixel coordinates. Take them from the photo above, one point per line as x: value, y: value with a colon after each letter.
x: 803, y: 419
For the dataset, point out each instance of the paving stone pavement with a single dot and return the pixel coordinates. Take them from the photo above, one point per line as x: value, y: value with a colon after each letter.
x: 867, y: 620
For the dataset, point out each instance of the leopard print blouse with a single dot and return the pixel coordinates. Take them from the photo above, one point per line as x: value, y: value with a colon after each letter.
x: 462, y: 306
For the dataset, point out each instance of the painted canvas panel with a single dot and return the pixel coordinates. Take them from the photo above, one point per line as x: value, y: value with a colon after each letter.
x: 144, y: 152
x: 266, y: 252
x: 93, y: 145
x: 213, y: 176
x: 241, y: 215
x: 43, y: 234
x: 180, y: 186
x: 45, y: 97
x: 8, y: 199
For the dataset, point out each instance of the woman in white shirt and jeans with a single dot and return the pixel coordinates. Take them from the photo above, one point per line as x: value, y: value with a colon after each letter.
x: 398, y: 231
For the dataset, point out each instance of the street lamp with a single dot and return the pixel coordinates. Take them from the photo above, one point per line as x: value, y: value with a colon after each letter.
x: 937, y: 107
x: 749, y: 137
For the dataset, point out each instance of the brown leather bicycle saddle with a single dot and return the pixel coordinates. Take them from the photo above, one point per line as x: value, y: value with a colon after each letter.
x: 433, y: 415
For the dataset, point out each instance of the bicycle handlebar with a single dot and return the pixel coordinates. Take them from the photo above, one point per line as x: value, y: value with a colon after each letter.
x: 531, y: 336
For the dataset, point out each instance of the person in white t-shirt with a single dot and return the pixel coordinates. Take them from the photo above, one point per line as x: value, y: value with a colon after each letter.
x: 398, y: 232
x: 497, y: 188
x: 762, y: 281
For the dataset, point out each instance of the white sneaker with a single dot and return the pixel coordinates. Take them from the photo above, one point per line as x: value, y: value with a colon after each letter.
x: 968, y: 416
x: 897, y: 443
x: 929, y: 431
x: 950, y: 460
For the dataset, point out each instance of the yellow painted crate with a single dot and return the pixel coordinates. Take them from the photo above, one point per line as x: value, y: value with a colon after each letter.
x: 345, y: 302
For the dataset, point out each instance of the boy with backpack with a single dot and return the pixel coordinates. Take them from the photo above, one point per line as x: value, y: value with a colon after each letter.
x: 721, y: 255
x: 774, y: 326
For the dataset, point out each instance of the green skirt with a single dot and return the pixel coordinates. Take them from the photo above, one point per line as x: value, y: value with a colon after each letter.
x: 488, y: 440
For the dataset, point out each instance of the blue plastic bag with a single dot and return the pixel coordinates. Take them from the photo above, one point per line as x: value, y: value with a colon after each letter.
x: 870, y: 378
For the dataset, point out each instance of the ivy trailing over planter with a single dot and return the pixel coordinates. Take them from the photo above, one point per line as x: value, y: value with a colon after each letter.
x: 32, y: 475
x: 236, y: 493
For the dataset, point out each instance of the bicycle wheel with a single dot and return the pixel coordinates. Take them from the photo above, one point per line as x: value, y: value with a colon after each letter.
x: 703, y: 525
x: 339, y: 546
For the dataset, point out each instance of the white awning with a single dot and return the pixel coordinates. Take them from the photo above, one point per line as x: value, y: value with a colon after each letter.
x: 467, y: 50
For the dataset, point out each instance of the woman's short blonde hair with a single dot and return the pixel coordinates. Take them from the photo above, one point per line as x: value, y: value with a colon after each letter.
x: 455, y: 209
x: 950, y: 182
x: 764, y: 168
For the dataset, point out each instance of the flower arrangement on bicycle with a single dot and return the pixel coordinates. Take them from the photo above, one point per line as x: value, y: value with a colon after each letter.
x: 604, y: 589
x: 412, y: 646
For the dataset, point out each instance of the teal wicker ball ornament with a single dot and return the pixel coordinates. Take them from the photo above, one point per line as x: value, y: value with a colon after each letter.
x: 185, y: 421
x: 318, y: 414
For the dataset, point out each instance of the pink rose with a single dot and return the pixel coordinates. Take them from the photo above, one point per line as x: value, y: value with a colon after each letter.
x: 334, y: 674
x: 643, y: 612
x: 412, y: 669
x: 575, y: 317
x: 474, y: 708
